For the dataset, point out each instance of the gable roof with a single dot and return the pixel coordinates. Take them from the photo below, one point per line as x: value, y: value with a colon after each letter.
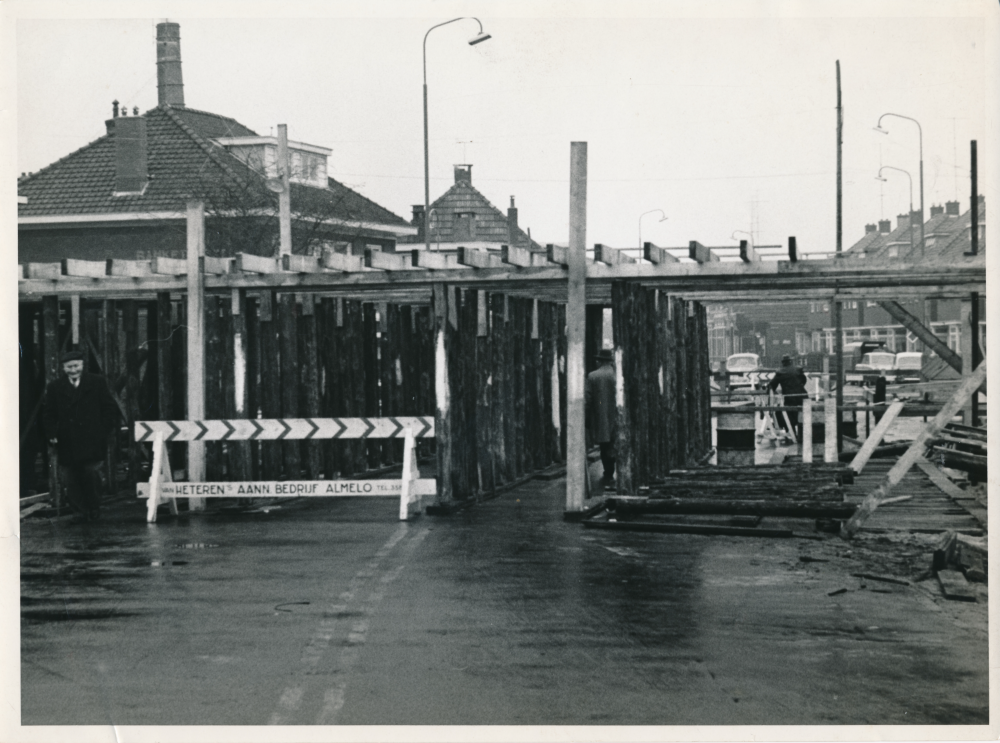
x: 491, y: 223
x: 182, y: 160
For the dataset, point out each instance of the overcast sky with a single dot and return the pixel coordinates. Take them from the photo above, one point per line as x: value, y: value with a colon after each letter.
x: 725, y: 123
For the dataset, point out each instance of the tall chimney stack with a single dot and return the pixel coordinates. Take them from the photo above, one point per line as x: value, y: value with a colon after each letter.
x: 170, y: 83
x: 512, y: 223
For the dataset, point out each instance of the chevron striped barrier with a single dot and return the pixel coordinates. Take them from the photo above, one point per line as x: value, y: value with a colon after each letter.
x: 410, y: 489
x: 253, y: 429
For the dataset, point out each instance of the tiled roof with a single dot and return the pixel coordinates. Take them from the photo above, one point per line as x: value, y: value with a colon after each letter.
x: 491, y: 223
x: 183, y: 162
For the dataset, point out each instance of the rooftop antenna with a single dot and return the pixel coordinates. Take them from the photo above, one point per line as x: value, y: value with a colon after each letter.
x: 464, y: 142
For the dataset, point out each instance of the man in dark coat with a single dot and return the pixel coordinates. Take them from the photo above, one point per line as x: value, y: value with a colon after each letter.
x: 602, y: 411
x: 79, y: 414
x: 792, y: 381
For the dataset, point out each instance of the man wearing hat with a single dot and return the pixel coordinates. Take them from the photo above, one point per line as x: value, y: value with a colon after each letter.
x: 79, y: 414
x: 602, y: 411
x: 792, y: 381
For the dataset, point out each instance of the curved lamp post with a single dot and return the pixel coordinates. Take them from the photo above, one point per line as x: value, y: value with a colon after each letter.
x: 477, y: 39
x: 880, y: 178
x: 920, y: 132
x: 651, y: 211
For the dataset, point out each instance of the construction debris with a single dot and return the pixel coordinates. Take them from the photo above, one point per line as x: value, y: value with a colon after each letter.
x: 955, y: 587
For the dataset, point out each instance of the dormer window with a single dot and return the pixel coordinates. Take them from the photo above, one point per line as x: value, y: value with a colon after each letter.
x: 308, y: 162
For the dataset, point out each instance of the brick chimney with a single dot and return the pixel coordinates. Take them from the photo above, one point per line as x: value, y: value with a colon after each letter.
x: 869, y: 228
x: 110, y: 123
x: 936, y: 211
x: 951, y: 208
x: 902, y: 221
x: 418, y: 221
x: 131, y: 154
x: 512, y: 223
x: 169, y: 82
x: 463, y: 174
x: 884, y: 226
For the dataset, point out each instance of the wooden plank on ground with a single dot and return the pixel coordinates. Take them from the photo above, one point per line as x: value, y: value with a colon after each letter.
x: 955, y: 587
x: 866, y: 451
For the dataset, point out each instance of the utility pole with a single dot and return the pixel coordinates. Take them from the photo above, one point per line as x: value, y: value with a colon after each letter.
x: 977, y: 352
x: 285, y: 196
x: 576, y: 307
x: 838, y: 339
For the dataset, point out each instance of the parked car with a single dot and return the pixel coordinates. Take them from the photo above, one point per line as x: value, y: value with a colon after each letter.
x: 908, y: 366
x: 739, y: 367
x: 858, y: 358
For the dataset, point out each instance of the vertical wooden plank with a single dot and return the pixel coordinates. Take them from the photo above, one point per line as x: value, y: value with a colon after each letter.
x: 463, y: 399
x: 326, y: 344
x: 621, y: 301
x: 291, y: 451
x: 498, y: 442
x: 517, y: 338
x: 270, y: 392
x: 50, y: 362
x: 310, y: 382
x: 562, y: 342
x: 74, y: 313
x: 215, y: 362
x: 252, y: 382
x: 830, y: 417
x: 195, y: 341
x: 576, y: 446
x: 593, y: 337
x: 130, y: 392
x: 484, y: 403
x: 680, y: 361
x: 237, y: 404
x: 371, y: 378
x: 164, y: 359
x: 442, y: 416
x: 354, y: 374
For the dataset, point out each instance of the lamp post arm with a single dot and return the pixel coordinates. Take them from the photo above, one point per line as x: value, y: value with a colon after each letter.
x: 445, y: 23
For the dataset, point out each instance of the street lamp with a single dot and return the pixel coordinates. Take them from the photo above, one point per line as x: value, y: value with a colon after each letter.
x: 920, y: 133
x: 477, y: 39
x: 651, y: 211
x: 880, y: 178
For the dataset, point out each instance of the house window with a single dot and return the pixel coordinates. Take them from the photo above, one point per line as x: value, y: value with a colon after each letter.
x: 954, y: 338
x: 801, y: 342
x: 465, y: 226
x: 874, y: 334
x: 817, y: 342
x: 911, y: 342
x: 870, y: 303
x: 829, y: 341
x: 826, y: 308
x: 894, y: 252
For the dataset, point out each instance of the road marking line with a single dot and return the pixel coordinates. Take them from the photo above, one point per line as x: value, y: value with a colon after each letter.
x: 333, y: 698
x: 291, y: 697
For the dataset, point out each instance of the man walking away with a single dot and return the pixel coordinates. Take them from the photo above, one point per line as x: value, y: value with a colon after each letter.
x: 78, y: 416
x: 792, y: 381
x: 602, y: 411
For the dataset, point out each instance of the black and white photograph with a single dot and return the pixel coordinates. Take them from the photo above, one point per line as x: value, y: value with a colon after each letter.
x: 498, y: 370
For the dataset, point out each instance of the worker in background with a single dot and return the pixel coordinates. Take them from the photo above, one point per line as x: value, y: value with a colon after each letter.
x: 602, y: 413
x: 78, y: 416
x: 792, y: 381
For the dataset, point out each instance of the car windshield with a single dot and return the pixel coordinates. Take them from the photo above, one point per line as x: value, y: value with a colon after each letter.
x: 743, y: 362
x: 879, y: 360
x: 907, y: 361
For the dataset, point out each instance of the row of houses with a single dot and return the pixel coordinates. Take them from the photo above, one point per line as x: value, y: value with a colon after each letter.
x: 806, y: 329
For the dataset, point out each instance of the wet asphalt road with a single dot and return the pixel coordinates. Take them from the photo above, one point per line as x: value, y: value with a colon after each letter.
x: 332, y: 612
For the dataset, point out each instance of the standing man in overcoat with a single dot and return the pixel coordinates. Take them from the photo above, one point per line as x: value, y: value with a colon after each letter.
x: 78, y: 416
x: 602, y: 411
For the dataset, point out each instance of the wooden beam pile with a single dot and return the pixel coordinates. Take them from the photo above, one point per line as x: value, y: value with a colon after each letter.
x: 961, y: 448
x: 505, y: 387
x: 661, y: 344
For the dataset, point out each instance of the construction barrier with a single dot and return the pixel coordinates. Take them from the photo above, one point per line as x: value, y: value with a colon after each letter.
x: 410, y: 488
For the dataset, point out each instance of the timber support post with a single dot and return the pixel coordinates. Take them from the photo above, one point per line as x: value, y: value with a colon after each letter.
x: 195, y: 341
x: 576, y: 445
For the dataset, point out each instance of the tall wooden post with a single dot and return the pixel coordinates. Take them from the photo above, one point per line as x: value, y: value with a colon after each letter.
x: 442, y: 394
x: 576, y: 445
x: 285, y: 196
x: 966, y: 351
x: 838, y: 350
x: 195, y: 341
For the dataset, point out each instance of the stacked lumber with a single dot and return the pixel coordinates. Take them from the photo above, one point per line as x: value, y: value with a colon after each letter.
x: 962, y: 448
